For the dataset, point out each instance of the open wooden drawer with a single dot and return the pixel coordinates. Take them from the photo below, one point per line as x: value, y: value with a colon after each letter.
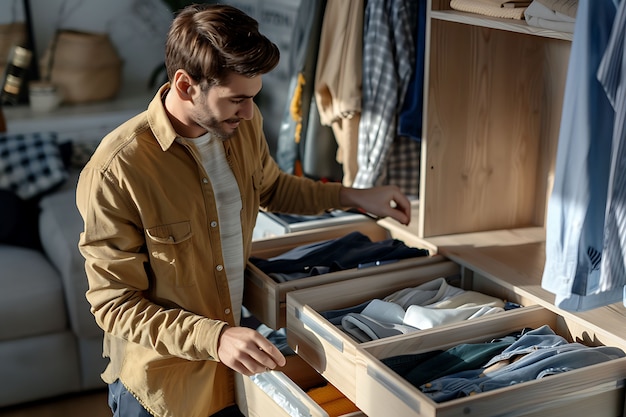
x: 265, y: 298
x: 284, y: 393
x: 330, y: 350
x: 594, y: 390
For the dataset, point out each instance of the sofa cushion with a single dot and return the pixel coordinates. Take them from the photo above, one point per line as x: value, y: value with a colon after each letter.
x: 31, y: 294
x: 60, y: 226
x: 30, y: 164
x: 38, y: 367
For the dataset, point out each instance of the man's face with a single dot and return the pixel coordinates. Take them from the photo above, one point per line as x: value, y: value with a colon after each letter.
x: 221, y: 108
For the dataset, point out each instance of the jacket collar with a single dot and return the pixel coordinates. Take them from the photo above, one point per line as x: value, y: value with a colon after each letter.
x: 159, y: 122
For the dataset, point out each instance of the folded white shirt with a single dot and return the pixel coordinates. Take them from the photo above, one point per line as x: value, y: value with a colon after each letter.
x: 364, y: 329
x: 427, y: 318
x: 380, y: 318
x: 468, y: 299
x: 429, y: 292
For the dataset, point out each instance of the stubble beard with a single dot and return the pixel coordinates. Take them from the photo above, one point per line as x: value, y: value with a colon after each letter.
x: 211, y: 124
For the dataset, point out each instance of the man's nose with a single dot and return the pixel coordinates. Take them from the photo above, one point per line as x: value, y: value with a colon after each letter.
x: 245, y: 111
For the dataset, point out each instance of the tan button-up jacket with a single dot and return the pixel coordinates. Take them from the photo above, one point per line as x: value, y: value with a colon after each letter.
x: 153, y: 255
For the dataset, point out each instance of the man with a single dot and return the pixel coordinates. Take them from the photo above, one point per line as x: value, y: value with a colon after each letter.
x: 169, y: 202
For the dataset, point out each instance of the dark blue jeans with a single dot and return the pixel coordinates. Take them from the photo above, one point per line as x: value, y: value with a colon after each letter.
x: 124, y: 404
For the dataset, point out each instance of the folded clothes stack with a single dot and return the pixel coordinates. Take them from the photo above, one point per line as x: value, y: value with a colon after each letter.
x: 469, y: 369
x: 431, y: 304
x: 506, y: 9
x: 332, y: 400
x: 557, y: 15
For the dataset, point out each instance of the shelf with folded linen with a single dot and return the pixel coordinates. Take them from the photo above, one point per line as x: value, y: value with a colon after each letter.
x: 311, y: 258
x: 502, y: 24
x: 326, y: 324
x: 530, y: 362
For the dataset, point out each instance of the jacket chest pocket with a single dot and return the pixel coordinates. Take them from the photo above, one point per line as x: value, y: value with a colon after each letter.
x: 172, y: 253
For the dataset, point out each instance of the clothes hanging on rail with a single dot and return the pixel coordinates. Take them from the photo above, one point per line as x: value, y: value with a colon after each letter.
x: 410, y: 117
x: 612, y: 77
x: 302, y: 60
x: 338, y: 78
x: 575, y: 226
x: 402, y: 167
x: 388, y: 63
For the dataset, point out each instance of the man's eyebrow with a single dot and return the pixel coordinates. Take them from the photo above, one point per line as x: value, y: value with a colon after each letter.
x: 241, y: 96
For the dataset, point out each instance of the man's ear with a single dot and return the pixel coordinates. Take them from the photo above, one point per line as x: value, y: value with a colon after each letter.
x: 184, y: 85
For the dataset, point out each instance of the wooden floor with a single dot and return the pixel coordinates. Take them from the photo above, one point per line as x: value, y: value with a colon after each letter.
x: 90, y: 404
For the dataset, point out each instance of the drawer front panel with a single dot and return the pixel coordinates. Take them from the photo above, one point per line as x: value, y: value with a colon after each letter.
x: 284, y: 393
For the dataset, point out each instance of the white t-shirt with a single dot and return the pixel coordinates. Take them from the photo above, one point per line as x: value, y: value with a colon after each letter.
x: 228, y: 202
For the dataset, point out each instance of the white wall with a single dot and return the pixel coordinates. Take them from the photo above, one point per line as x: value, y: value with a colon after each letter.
x: 136, y: 27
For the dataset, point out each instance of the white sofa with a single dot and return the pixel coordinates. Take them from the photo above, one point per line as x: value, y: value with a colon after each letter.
x: 49, y: 342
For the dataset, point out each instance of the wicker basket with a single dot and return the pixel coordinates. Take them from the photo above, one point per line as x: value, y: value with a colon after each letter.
x: 84, y: 66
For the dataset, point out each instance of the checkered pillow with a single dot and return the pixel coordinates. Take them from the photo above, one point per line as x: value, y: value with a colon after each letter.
x: 30, y: 164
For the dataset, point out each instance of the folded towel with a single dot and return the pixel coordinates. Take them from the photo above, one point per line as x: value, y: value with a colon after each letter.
x: 507, y: 3
x: 488, y: 9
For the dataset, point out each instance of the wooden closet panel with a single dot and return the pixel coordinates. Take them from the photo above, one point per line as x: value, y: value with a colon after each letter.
x: 555, y: 64
x: 491, y: 129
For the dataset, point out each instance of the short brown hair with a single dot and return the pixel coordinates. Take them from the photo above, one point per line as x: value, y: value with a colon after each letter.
x: 210, y: 41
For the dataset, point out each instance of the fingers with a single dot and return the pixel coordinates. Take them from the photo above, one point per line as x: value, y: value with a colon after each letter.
x: 399, y: 207
x: 402, y: 210
x: 269, y: 356
x: 248, y: 352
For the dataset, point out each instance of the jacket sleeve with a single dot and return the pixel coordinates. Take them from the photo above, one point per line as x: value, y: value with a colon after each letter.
x: 286, y: 193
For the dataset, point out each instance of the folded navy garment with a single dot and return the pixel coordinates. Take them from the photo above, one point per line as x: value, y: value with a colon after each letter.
x: 420, y: 369
x: 335, y: 255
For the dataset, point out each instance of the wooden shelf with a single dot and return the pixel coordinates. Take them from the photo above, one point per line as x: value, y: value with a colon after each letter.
x: 510, y: 25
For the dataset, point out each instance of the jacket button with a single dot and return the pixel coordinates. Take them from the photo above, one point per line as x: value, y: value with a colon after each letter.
x: 205, y: 180
x: 219, y: 268
x: 227, y: 311
x: 213, y: 223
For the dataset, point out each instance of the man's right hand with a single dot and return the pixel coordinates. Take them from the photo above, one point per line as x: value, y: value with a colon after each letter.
x: 246, y: 351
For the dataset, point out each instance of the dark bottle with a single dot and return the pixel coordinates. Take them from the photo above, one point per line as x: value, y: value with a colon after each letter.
x: 16, y: 76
